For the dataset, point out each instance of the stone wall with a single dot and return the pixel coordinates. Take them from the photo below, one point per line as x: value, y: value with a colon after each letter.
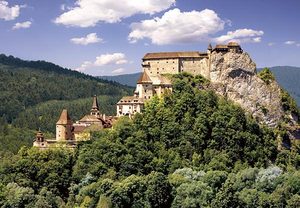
x: 162, y: 66
x: 195, y: 66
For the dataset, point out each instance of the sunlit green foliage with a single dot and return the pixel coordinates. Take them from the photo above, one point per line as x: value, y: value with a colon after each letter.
x: 266, y: 75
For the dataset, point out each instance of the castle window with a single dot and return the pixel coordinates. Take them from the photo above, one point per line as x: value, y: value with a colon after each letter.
x: 149, y: 97
x: 145, y: 91
x: 167, y: 62
x: 157, y: 72
x: 145, y: 97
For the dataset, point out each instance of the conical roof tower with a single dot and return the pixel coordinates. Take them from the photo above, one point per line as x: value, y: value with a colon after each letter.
x: 64, y: 118
x: 144, y: 78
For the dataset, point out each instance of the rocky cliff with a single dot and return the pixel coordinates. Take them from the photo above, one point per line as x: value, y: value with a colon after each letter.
x: 233, y: 75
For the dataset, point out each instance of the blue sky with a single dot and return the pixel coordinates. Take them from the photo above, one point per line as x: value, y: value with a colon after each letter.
x: 104, y: 37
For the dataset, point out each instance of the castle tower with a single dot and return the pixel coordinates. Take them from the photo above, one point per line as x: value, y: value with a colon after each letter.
x: 144, y: 86
x: 64, y: 127
x: 39, y: 136
x: 95, y: 107
x: 40, y: 141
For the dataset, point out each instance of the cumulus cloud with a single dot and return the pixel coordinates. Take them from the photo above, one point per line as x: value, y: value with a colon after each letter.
x: 89, y: 39
x: 298, y: 44
x: 22, y: 25
x: 9, y: 13
x: 241, y: 36
x: 103, y: 60
x: 290, y: 42
x: 87, y: 13
x: 178, y: 27
x: 118, y: 71
x: 106, y: 59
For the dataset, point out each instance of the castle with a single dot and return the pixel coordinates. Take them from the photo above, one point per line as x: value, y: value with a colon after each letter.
x: 152, y: 82
x: 68, y: 134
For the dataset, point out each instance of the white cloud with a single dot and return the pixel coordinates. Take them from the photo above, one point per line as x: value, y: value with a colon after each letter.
x: 87, y: 13
x: 118, y: 71
x: 9, y: 13
x: 84, y: 66
x: 22, y: 25
x: 241, y: 36
x: 106, y: 59
x: 271, y: 44
x: 90, y: 38
x: 178, y: 27
x: 298, y: 44
x: 290, y: 42
x: 103, y: 60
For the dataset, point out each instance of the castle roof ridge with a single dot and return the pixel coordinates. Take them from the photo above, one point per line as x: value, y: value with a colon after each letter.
x: 177, y: 54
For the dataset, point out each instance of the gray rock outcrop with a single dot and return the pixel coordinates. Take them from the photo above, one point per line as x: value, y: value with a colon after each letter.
x: 233, y: 75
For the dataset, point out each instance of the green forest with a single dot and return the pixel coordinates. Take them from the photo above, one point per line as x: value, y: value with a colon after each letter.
x: 188, y: 149
x: 33, y: 94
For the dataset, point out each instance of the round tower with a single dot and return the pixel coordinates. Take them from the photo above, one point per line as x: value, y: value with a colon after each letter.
x: 144, y: 86
x: 64, y: 127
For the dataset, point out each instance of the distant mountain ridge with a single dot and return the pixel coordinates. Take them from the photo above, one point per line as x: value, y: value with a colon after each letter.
x: 125, y: 79
x: 287, y: 77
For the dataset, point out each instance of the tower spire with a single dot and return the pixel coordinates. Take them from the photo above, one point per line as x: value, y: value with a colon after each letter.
x: 95, y: 107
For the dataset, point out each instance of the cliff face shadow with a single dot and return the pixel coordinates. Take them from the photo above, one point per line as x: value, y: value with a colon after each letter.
x: 240, y: 73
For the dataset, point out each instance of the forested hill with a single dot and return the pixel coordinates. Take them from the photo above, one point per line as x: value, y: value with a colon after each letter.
x: 26, y: 83
x: 288, y: 78
x: 48, y: 67
x: 191, y: 148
